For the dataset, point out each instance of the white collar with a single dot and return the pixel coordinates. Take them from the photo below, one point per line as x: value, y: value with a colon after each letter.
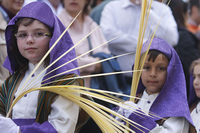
x: 198, y: 107
x: 32, y: 67
x: 151, y: 97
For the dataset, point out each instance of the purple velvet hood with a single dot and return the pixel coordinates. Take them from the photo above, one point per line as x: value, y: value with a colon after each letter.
x: 172, y: 100
x: 43, y: 13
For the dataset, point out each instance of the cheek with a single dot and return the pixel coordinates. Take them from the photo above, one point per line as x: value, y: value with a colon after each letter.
x: 143, y: 76
x: 164, y: 77
x: 20, y: 47
x: 45, y: 46
x: 66, y: 4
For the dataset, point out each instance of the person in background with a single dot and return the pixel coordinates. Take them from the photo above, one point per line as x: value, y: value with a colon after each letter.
x: 187, y: 47
x: 95, y: 14
x: 95, y: 3
x: 194, y: 19
x: 55, y: 5
x: 194, y: 16
x: 194, y: 99
x: 121, y: 19
x: 8, y: 9
x: 78, y: 30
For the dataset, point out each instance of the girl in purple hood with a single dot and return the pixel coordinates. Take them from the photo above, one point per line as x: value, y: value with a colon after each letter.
x: 162, y: 85
x: 29, y: 35
x: 194, y: 97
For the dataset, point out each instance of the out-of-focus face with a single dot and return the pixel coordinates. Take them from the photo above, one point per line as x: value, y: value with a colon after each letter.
x: 55, y: 3
x: 32, y: 48
x: 196, y: 82
x: 73, y: 7
x: 195, y: 14
x: 154, y: 74
x: 198, y: 16
x: 13, y: 5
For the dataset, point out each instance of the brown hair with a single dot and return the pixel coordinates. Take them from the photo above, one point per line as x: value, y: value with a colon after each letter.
x: 194, y: 63
x: 87, y: 7
x: 20, y: 61
x: 179, y: 10
x: 153, y: 55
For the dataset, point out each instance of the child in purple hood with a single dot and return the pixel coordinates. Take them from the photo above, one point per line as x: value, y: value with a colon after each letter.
x: 29, y: 35
x: 162, y: 85
x: 194, y: 96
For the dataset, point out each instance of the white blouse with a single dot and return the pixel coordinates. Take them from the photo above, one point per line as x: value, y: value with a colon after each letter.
x: 196, y: 117
x: 64, y: 113
x: 171, y: 125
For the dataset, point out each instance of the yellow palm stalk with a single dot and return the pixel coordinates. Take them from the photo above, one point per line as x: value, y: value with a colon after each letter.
x: 139, y: 60
x: 98, y: 112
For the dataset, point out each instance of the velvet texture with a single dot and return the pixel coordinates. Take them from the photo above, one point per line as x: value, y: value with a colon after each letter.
x: 142, y: 119
x: 30, y: 126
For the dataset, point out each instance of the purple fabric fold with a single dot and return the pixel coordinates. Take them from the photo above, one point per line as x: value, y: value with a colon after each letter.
x: 21, y: 122
x: 30, y: 126
x: 143, y: 120
x: 172, y: 100
x: 42, y: 12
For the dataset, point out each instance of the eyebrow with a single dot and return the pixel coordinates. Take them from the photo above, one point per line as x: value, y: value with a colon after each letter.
x: 33, y: 30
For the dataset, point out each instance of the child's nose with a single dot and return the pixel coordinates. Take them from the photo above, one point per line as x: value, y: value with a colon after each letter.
x: 196, y: 81
x: 29, y: 39
x: 153, y: 73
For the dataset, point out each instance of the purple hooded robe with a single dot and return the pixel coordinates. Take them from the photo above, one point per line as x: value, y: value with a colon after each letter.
x: 172, y: 99
x: 42, y: 12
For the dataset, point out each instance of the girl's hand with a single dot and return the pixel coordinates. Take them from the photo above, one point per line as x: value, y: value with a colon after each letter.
x: 127, y: 109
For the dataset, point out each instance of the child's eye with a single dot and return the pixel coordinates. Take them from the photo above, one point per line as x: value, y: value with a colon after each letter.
x: 194, y: 76
x: 162, y: 68
x: 38, y: 34
x: 146, y: 67
x: 22, y: 35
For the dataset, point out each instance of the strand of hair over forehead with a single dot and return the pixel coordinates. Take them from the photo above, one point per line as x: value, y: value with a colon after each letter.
x: 96, y: 111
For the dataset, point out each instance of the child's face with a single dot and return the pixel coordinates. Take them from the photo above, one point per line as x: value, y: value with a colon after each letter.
x: 196, y: 82
x: 154, y: 74
x: 33, y: 48
x: 74, y: 7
